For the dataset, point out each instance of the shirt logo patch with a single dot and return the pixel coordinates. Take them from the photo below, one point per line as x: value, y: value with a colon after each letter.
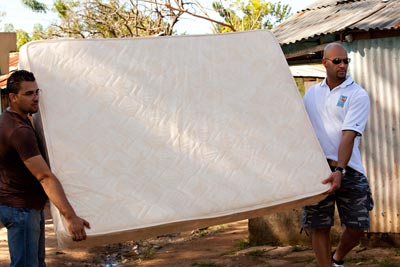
x: 341, y: 101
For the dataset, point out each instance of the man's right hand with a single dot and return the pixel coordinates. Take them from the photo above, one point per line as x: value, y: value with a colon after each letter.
x: 76, y: 228
x: 335, y: 179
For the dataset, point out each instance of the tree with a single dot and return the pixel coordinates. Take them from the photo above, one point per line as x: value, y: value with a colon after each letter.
x: 251, y: 15
x: 38, y: 32
x: 133, y: 18
x: 117, y: 18
x: 35, y: 5
x: 22, y: 38
x: 241, y: 15
x: 8, y: 27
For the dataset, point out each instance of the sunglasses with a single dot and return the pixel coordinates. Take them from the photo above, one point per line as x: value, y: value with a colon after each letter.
x: 337, y: 61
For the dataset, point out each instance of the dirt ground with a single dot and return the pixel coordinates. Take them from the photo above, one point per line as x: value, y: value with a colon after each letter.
x: 224, y: 245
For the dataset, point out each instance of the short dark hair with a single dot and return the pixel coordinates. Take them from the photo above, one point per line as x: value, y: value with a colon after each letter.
x: 15, y: 79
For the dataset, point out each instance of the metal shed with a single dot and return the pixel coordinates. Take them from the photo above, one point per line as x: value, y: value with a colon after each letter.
x: 370, y: 31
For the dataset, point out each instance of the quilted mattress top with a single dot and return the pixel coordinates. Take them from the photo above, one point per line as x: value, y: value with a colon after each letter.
x: 164, y: 134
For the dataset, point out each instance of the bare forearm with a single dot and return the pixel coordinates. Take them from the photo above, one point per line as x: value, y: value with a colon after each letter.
x: 54, y: 190
x: 346, y: 148
x: 344, y: 155
x: 56, y: 194
x: 75, y: 225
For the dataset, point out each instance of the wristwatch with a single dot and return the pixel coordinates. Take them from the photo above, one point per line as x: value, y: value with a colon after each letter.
x: 342, y: 170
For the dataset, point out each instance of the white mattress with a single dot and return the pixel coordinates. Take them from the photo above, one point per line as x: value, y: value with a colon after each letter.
x: 157, y: 135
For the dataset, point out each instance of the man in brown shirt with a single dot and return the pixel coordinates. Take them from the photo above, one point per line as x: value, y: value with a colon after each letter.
x: 25, y: 178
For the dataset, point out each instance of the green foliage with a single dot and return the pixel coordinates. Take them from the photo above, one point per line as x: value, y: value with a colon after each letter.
x: 35, y: 5
x: 65, y: 7
x: 8, y: 27
x: 22, y: 38
x: 243, y: 244
x: 37, y: 32
x: 242, y: 15
x: 71, y: 24
x: 124, y: 18
x: 62, y: 8
x: 115, y: 18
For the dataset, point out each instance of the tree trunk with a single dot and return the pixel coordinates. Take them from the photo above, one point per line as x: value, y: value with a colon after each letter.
x: 260, y: 232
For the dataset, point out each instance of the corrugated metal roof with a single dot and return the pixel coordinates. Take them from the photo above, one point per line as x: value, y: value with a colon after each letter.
x: 329, y: 16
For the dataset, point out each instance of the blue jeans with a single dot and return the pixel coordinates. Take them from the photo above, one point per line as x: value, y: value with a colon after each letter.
x: 25, y: 232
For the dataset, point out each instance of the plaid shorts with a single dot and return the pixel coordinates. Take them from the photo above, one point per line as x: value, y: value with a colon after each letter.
x: 353, y: 200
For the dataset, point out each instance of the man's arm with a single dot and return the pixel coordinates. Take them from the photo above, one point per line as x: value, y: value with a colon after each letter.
x: 344, y: 155
x: 54, y: 190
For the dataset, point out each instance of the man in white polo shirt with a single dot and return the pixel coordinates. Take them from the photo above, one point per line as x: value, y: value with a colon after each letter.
x: 338, y: 109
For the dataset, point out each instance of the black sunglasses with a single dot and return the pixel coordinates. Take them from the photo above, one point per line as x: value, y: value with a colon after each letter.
x: 337, y: 61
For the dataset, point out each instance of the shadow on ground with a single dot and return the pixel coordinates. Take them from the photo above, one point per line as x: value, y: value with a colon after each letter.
x: 223, y: 245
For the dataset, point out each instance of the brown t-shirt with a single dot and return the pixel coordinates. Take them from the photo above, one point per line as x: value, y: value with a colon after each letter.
x: 18, y: 142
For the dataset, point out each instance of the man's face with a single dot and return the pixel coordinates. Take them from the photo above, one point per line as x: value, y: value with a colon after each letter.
x: 338, y: 71
x: 27, y: 99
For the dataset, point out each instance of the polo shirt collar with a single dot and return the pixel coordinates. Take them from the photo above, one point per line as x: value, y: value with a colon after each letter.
x: 344, y: 84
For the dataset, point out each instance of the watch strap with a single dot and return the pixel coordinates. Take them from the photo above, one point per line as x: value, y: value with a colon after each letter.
x: 342, y: 170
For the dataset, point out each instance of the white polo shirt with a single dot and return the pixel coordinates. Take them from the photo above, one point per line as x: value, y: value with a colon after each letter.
x: 346, y: 107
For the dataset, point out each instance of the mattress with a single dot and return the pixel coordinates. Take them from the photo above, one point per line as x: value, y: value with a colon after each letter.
x: 159, y: 135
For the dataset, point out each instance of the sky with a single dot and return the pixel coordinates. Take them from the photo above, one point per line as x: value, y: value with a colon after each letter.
x: 23, y: 18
